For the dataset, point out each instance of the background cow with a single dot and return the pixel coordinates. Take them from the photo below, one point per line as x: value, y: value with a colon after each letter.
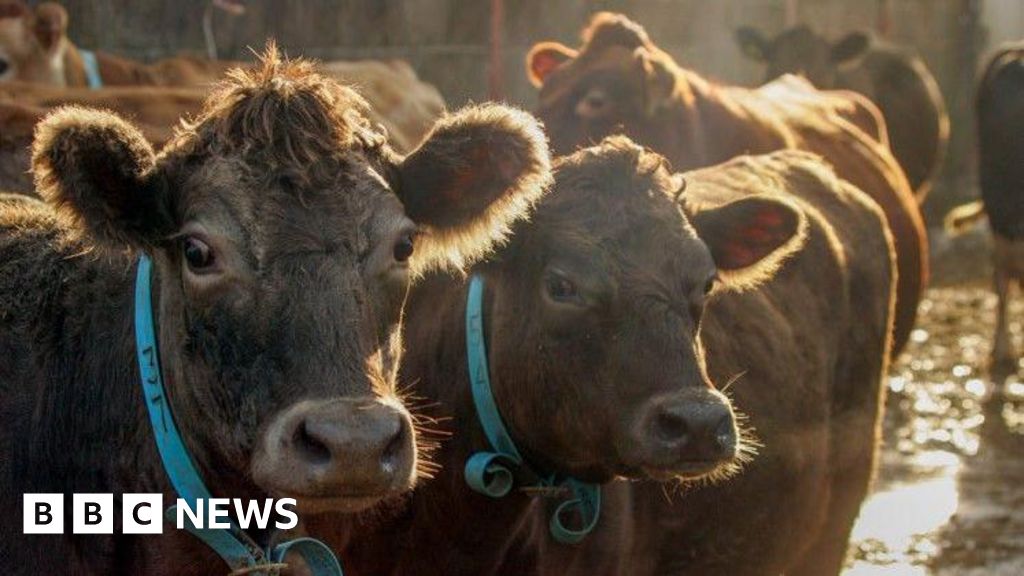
x: 34, y: 48
x: 892, y: 77
x: 619, y: 80
x: 283, y: 231
x: 1000, y: 110
x: 155, y: 111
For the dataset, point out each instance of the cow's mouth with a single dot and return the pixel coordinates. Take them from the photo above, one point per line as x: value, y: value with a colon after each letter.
x: 688, y: 470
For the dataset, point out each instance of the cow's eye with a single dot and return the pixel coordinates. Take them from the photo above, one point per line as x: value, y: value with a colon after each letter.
x: 560, y: 288
x: 403, y: 249
x: 197, y: 253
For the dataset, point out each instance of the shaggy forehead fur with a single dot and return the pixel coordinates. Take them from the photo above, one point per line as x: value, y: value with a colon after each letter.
x: 608, y: 29
x: 282, y: 119
x: 615, y: 177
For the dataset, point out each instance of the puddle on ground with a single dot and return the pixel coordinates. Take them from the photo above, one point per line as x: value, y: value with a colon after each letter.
x: 949, y: 497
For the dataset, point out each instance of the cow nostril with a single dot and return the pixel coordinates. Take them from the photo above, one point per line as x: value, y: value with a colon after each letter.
x: 310, y: 446
x: 3, y: 67
x: 391, y: 456
x: 671, y: 427
x: 725, y: 434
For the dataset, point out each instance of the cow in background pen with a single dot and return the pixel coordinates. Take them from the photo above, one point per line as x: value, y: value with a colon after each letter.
x: 620, y: 81
x: 894, y: 78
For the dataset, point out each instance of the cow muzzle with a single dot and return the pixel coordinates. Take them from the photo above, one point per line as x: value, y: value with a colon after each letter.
x: 685, y: 435
x: 338, y: 455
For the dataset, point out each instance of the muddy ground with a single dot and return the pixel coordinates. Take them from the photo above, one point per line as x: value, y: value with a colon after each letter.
x: 949, y: 498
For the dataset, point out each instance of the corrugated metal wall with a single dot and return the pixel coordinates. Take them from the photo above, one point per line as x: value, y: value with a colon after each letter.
x: 447, y: 40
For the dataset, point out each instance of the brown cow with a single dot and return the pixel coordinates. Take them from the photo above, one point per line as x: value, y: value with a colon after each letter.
x: 892, y: 77
x: 598, y: 310
x: 619, y: 80
x: 283, y: 232
x: 17, y: 122
x: 405, y: 105
x: 155, y: 111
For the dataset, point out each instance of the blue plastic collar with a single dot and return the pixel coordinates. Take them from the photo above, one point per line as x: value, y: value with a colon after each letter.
x: 233, y: 545
x: 490, y: 473
x: 92, y: 69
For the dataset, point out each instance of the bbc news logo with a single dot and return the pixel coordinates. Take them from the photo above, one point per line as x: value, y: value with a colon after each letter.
x: 143, y: 513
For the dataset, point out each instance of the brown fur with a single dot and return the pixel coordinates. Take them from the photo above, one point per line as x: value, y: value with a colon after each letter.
x: 893, y: 77
x: 787, y: 349
x: 301, y: 204
x: 807, y: 352
x: 694, y: 123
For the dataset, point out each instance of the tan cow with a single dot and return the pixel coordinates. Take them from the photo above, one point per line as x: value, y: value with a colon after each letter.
x: 620, y: 81
x: 34, y: 48
x: 156, y: 111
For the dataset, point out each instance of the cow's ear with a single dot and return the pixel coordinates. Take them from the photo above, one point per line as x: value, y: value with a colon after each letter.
x: 544, y: 57
x: 850, y: 48
x: 749, y: 238
x: 659, y: 82
x: 479, y: 170
x: 51, y: 25
x: 752, y: 43
x: 99, y: 170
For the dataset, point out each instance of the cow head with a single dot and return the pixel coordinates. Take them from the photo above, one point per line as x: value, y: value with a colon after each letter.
x: 802, y: 51
x: 33, y: 42
x: 617, y: 82
x: 606, y: 287
x: 284, y: 233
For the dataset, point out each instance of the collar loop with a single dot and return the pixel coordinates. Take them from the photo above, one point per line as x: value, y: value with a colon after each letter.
x: 233, y: 545
x: 491, y: 473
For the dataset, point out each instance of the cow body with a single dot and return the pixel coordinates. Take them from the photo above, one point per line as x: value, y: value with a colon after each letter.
x: 892, y: 77
x: 406, y: 106
x: 282, y: 231
x: 808, y: 376
x: 621, y: 80
x: 1000, y: 110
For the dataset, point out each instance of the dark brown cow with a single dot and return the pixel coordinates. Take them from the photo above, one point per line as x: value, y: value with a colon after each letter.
x: 620, y: 81
x: 283, y: 232
x: 892, y: 77
x: 1000, y: 110
x: 597, y: 317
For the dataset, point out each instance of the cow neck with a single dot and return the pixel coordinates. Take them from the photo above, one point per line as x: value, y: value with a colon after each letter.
x: 232, y: 544
x: 492, y: 473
